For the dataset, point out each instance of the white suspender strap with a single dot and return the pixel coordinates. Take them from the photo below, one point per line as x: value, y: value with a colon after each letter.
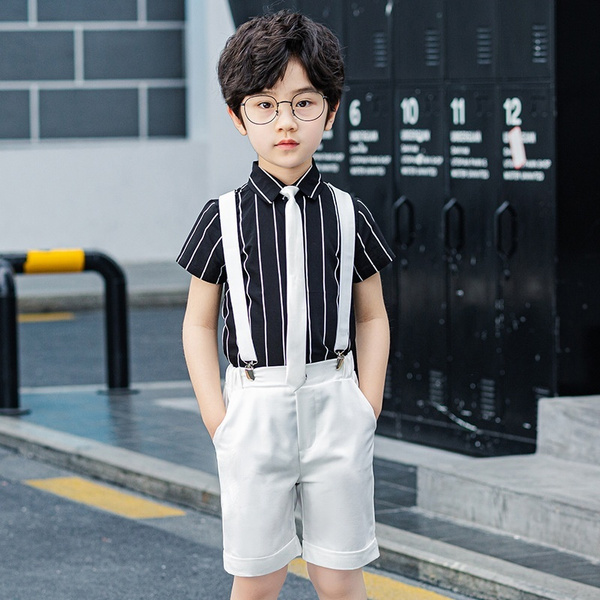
x: 348, y: 228
x: 235, y: 279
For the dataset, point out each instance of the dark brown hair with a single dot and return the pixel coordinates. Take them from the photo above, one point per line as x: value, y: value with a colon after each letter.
x: 256, y: 56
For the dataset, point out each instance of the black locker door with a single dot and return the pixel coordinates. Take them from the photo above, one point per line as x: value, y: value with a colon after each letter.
x: 242, y: 10
x: 370, y: 145
x: 331, y: 156
x: 526, y: 49
x: 419, y: 356
x: 471, y: 34
x: 419, y: 40
x: 369, y: 26
x: 525, y: 248
x: 468, y: 219
x: 328, y: 12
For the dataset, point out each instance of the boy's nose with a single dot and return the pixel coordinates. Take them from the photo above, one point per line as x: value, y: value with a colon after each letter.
x: 285, y: 117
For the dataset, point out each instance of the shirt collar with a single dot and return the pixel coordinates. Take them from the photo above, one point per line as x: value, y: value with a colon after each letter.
x: 268, y: 187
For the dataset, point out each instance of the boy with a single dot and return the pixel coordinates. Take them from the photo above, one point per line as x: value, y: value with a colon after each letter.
x: 293, y: 256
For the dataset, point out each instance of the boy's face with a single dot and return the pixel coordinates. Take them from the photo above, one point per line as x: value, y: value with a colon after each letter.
x: 285, y: 146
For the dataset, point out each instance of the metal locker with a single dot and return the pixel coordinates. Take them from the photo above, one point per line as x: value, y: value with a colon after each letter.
x: 471, y: 39
x: 526, y: 48
x: 525, y: 227
x: 331, y: 156
x: 369, y: 26
x: 419, y: 40
x: 330, y: 13
x: 467, y: 223
x: 419, y: 354
x: 370, y: 147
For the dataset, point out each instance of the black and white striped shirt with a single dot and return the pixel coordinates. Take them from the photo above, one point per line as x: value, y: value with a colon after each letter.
x: 261, y: 228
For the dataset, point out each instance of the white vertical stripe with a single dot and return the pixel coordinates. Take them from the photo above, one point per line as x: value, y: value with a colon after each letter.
x: 143, y: 109
x: 32, y: 12
x: 142, y: 12
x: 34, y: 112
x: 78, y: 55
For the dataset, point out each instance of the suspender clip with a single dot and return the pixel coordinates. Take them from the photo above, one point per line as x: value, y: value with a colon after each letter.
x: 249, y: 368
x: 340, y: 359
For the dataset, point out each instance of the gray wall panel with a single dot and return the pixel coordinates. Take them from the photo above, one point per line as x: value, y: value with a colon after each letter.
x: 88, y: 113
x: 87, y: 10
x: 133, y: 54
x: 38, y: 55
x: 166, y: 112
x: 13, y: 10
x: 14, y: 115
x: 161, y: 10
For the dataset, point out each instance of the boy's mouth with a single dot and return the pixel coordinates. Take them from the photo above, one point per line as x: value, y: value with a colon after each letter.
x: 287, y: 144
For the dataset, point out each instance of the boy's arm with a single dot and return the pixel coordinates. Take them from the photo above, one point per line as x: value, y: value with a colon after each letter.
x: 372, y: 339
x: 201, y: 350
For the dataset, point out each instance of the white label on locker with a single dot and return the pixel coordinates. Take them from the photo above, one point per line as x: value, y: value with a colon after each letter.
x: 517, y: 147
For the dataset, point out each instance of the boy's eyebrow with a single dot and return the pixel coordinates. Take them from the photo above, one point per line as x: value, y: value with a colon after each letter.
x: 294, y: 92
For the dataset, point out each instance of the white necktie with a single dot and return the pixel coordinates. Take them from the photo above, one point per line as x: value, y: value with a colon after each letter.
x: 296, y: 291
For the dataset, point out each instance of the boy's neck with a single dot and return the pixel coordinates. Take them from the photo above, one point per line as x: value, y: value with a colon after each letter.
x: 286, y: 176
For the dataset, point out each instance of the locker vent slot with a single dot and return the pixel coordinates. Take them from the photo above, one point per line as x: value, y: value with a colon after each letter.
x: 433, y: 48
x: 540, y: 46
x: 484, y: 46
x: 437, y: 388
x: 380, y: 50
x: 487, y: 399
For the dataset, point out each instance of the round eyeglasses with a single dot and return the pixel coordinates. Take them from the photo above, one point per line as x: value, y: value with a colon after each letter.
x: 262, y: 109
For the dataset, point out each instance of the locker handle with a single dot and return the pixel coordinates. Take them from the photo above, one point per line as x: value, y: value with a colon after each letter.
x: 404, y: 222
x: 454, y: 226
x: 505, y: 230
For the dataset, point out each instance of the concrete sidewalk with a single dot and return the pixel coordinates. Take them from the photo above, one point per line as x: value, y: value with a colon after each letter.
x: 152, y: 440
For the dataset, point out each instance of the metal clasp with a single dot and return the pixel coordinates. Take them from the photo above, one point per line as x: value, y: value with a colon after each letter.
x: 249, y: 368
x: 340, y: 359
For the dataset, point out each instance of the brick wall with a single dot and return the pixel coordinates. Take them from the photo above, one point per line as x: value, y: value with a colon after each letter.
x: 91, y: 69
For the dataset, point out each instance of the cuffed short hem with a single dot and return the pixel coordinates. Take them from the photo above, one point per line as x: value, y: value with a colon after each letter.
x: 254, y: 567
x: 343, y: 561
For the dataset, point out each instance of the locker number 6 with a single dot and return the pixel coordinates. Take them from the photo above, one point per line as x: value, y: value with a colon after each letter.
x: 354, y: 113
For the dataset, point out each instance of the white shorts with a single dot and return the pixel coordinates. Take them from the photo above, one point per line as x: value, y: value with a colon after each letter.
x: 315, y: 445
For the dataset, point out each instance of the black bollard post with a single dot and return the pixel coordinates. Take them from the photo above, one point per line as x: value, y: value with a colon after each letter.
x: 9, y: 363
x: 117, y: 339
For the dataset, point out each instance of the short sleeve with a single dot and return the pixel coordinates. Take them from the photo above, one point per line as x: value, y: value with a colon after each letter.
x: 372, y: 252
x: 202, y: 253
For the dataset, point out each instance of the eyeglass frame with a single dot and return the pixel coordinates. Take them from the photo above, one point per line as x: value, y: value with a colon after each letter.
x: 290, y: 102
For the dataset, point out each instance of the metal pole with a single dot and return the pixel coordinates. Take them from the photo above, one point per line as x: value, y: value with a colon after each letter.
x: 117, y: 339
x: 9, y: 364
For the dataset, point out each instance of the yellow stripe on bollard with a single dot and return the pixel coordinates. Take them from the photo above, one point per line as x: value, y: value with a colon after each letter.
x: 59, y: 260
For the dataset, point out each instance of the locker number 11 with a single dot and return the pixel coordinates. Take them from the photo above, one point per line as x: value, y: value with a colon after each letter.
x: 459, y: 111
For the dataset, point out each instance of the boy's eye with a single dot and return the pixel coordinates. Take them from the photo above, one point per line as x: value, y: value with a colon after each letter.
x: 265, y: 105
x: 303, y: 103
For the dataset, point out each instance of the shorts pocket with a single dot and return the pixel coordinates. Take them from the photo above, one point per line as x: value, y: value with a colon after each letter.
x: 363, y: 400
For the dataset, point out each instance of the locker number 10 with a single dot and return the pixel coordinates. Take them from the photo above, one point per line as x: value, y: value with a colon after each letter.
x: 410, y: 111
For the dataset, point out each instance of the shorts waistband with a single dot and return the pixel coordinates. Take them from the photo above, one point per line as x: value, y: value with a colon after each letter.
x: 316, y: 373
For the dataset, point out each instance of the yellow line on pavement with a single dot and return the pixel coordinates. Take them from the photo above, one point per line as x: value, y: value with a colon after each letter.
x: 45, y: 317
x: 378, y: 586
x: 105, y: 498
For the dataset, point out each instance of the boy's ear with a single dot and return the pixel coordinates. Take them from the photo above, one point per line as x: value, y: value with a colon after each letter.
x: 331, y: 117
x: 239, y: 124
